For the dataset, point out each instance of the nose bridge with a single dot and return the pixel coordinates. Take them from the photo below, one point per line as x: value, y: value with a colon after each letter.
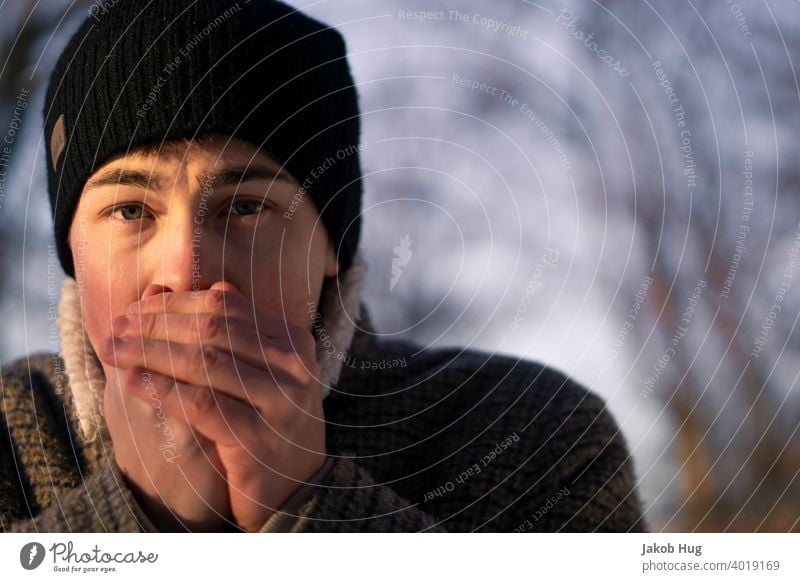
x: 176, y: 251
x: 187, y: 260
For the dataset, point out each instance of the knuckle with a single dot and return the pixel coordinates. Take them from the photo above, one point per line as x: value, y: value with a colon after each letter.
x: 196, y: 358
x: 202, y: 401
x: 209, y: 355
x: 215, y: 300
x: 210, y: 325
x: 136, y: 377
x: 162, y: 385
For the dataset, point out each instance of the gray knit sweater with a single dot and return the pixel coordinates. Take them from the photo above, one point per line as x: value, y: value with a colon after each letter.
x: 418, y: 440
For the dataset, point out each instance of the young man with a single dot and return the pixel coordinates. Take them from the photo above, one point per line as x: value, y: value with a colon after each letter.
x: 218, y: 370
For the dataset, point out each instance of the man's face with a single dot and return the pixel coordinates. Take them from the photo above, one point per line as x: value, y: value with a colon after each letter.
x: 189, y: 216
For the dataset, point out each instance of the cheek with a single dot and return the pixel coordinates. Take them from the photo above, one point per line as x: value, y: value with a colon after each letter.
x: 283, y: 285
x: 96, y: 308
x: 106, y: 291
x: 285, y: 296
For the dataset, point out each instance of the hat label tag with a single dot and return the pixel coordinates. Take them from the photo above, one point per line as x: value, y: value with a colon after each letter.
x: 57, y: 140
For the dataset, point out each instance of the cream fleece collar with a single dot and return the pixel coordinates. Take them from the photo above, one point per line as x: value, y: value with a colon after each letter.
x: 340, y: 300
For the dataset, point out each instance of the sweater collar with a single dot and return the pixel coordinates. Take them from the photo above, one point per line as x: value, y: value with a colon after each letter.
x: 340, y: 307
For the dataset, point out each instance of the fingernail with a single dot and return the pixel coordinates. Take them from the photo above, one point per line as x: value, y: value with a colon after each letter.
x: 119, y: 325
x: 112, y: 344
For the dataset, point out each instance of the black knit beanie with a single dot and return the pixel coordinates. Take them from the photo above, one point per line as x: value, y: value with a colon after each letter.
x: 143, y: 72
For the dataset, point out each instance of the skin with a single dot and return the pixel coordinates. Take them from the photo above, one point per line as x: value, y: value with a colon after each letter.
x: 199, y: 317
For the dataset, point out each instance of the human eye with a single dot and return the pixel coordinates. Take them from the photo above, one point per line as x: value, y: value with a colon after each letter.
x: 129, y: 211
x: 247, y: 207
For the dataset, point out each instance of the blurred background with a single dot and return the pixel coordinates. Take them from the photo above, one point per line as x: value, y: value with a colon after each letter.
x: 610, y: 188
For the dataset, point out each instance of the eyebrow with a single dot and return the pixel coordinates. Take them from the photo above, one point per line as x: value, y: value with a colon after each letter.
x: 230, y: 175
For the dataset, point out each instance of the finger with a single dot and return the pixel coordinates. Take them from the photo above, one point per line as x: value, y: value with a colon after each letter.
x: 226, y: 286
x: 206, y: 365
x: 212, y: 414
x: 225, y: 302
x: 225, y: 333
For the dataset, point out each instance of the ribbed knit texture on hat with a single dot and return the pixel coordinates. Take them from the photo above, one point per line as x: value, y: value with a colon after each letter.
x: 147, y: 71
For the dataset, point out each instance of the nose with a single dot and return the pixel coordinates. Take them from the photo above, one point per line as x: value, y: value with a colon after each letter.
x: 185, y: 258
x: 154, y: 289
